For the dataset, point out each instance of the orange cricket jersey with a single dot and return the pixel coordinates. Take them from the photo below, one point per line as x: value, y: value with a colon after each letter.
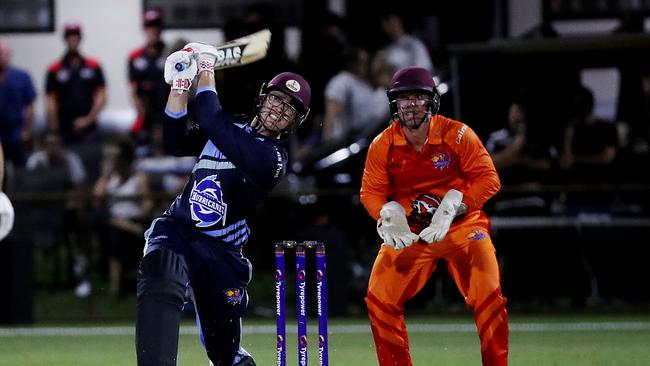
x: 453, y: 158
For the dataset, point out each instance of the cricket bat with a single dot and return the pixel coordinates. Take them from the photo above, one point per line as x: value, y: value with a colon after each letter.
x: 241, y: 51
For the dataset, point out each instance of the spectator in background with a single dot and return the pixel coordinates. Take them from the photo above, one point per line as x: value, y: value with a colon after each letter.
x: 404, y: 49
x: 352, y: 104
x: 123, y: 191
x: 75, y: 95
x: 65, y: 174
x: 633, y: 110
x: 590, y: 143
x: 330, y: 39
x: 515, y: 152
x: 328, y: 36
x: 590, y: 148
x: 17, y: 97
x: 521, y: 156
x: 54, y: 154
x: 381, y: 70
x: 148, y: 88
x: 75, y: 90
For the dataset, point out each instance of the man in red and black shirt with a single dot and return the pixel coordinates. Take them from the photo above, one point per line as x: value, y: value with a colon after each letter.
x: 75, y: 91
x: 148, y: 88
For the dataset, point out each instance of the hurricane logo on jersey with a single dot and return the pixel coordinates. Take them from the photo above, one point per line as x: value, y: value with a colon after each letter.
x: 441, y: 160
x: 476, y: 234
x: 206, y: 201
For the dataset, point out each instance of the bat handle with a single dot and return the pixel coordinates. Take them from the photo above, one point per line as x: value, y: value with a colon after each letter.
x: 179, y: 66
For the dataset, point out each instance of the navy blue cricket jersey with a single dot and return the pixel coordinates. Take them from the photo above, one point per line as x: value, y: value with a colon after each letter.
x: 237, y: 168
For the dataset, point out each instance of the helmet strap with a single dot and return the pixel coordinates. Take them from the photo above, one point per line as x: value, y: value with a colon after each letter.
x: 258, y: 125
x: 426, y: 117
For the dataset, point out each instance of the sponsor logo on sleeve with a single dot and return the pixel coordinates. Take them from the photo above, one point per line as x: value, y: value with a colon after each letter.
x: 280, y: 166
x: 476, y: 234
x: 460, y: 134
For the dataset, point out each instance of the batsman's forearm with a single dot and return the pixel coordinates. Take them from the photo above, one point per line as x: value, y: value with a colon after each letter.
x: 206, y: 79
x: 177, y: 102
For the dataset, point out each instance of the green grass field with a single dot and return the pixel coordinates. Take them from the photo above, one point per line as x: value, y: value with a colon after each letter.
x: 545, y: 340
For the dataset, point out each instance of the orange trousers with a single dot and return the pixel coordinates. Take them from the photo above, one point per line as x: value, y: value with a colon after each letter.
x: 399, y: 275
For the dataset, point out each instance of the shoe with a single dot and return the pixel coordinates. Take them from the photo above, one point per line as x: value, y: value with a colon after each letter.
x: 246, y: 361
x: 243, y: 361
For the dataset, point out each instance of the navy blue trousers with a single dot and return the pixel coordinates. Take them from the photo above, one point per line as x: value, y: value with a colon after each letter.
x: 216, y: 276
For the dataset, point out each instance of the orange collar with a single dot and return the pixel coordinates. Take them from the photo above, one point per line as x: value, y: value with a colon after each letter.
x: 435, y: 132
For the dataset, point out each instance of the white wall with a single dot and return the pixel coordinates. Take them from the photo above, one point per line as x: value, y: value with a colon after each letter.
x: 111, y: 29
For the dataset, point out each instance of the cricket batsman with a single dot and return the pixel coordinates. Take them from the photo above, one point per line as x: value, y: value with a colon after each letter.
x: 195, y: 247
x: 425, y: 180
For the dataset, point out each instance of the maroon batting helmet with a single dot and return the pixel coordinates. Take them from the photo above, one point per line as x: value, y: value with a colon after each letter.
x: 294, y: 86
x: 413, y: 79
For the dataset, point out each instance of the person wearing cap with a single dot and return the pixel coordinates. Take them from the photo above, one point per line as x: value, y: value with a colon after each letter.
x: 75, y: 89
x: 197, y: 243
x: 425, y: 180
x: 145, y: 72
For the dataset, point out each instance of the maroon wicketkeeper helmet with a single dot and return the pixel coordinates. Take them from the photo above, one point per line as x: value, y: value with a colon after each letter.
x: 413, y: 79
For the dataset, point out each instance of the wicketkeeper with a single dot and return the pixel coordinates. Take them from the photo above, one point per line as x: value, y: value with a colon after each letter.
x: 425, y: 181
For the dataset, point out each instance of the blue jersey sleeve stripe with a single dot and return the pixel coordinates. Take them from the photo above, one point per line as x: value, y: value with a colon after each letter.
x: 176, y: 115
x: 206, y: 88
x: 213, y: 165
x: 235, y: 235
x: 227, y: 230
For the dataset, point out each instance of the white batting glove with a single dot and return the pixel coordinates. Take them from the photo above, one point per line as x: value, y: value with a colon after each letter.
x: 205, y: 54
x: 393, y: 227
x: 6, y: 215
x: 442, y: 218
x: 180, y: 70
